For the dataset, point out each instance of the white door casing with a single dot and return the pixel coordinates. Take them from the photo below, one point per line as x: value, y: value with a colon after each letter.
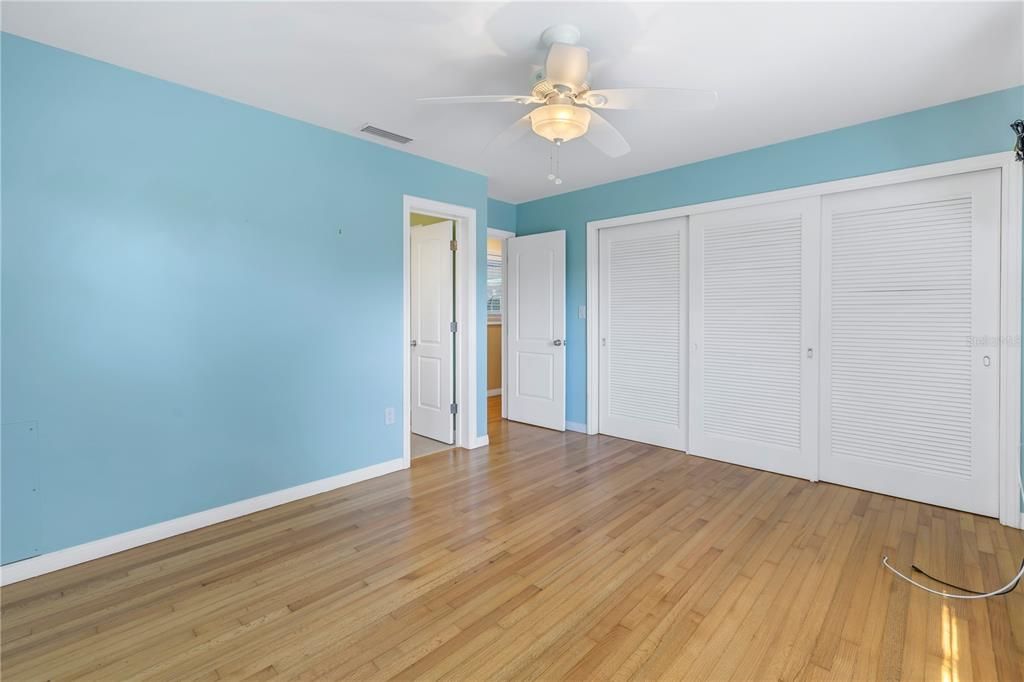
x: 432, y: 313
x: 910, y: 340
x: 753, y: 335
x: 535, y: 315
x: 643, y: 332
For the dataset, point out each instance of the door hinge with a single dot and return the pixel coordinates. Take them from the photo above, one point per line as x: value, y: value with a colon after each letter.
x: 455, y: 408
x: 454, y: 326
x: 455, y: 244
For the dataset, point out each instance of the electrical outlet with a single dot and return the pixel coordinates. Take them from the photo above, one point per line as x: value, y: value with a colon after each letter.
x: 389, y: 415
x: 582, y: 314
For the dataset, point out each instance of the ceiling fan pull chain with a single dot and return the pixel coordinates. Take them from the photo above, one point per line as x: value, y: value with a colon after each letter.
x: 558, y: 172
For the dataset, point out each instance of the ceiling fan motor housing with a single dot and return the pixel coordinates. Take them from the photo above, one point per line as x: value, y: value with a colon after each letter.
x: 545, y: 90
x: 560, y: 33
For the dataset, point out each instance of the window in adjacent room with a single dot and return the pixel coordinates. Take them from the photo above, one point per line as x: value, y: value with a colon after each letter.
x: 494, y: 287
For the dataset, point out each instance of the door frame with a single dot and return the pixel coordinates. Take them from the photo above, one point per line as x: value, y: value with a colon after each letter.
x: 466, y: 389
x: 1012, y: 177
x: 503, y: 236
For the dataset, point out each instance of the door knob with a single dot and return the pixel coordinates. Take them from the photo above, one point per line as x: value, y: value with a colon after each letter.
x: 558, y: 342
x: 413, y: 343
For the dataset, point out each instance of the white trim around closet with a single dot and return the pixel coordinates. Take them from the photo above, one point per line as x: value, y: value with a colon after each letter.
x: 1010, y: 290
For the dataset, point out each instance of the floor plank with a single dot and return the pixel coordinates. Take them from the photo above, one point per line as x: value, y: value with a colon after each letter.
x: 543, y: 556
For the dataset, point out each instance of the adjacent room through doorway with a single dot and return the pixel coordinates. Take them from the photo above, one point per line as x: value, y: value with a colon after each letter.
x: 496, y: 329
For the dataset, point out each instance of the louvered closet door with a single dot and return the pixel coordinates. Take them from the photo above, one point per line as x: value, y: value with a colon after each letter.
x: 910, y: 293
x: 643, y: 328
x: 754, y: 329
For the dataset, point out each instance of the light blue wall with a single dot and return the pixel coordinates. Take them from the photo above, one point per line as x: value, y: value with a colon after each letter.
x: 970, y: 127
x: 183, y: 324
x: 501, y: 215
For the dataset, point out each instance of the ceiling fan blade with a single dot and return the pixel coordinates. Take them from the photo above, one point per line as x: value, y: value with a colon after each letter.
x: 481, y: 99
x: 671, y: 99
x: 605, y: 137
x: 567, y: 64
x: 510, y: 135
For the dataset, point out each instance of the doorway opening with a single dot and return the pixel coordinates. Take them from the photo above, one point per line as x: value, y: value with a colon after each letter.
x: 496, y: 328
x: 439, y: 404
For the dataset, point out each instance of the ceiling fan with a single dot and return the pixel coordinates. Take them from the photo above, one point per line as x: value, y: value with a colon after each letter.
x: 569, y: 104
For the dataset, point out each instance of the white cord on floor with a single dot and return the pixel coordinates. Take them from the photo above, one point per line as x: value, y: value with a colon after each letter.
x: 1005, y: 589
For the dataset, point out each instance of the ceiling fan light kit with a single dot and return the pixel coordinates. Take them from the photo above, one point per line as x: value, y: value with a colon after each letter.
x: 560, y: 122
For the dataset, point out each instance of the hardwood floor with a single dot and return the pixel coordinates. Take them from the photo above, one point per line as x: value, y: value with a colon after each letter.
x: 546, y: 555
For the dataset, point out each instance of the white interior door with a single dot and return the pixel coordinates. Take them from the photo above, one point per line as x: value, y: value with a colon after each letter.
x: 910, y: 364
x: 432, y: 310
x: 536, y: 329
x: 642, y: 363
x: 754, y: 330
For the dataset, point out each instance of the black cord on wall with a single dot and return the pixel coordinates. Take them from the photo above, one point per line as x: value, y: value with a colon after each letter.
x: 1018, y: 128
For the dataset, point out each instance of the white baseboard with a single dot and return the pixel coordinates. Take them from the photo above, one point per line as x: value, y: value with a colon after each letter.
x: 54, y: 561
x: 576, y: 426
x: 480, y: 442
x: 493, y: 392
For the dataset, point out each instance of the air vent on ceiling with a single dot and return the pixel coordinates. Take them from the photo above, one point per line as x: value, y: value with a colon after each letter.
x: 386, y: 134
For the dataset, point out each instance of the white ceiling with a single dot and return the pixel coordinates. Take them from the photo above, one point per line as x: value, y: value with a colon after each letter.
x: 782, y: 70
